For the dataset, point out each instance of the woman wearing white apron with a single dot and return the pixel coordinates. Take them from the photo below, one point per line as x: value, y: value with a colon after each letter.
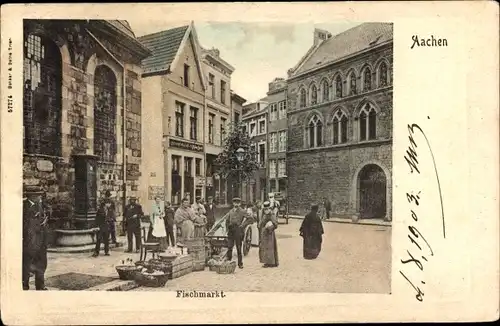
x: 158, y: 223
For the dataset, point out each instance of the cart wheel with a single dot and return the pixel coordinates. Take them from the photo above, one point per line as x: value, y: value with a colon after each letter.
x: 247, y: 240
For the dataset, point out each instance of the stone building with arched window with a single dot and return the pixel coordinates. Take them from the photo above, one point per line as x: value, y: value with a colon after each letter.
x: 340, y: 132
x: 81, y: 115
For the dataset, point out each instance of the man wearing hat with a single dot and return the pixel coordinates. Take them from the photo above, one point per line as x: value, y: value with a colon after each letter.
x: 210, y: 209
x: 34, y: 237
x: 112, y: 220
x: 105, y: 218
x: 234, y: 225
x: 133, y: 214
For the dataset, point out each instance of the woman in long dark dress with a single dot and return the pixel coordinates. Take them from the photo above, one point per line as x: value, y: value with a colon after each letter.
x: 312, y: 232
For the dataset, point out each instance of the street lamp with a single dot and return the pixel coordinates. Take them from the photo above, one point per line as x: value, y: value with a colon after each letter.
x: 240, y: 156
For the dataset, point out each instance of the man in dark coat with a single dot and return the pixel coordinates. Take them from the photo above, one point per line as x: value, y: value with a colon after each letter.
x: 169, y: 224
x: 104, y: 218
x: 112, y: 221
x: 237, y: 217
x: 328, y: 207
x: 210, y: 213
x: 34, y: 238
x: 133, y: 214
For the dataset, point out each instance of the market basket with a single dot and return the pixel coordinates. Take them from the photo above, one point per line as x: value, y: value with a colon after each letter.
x: 159, y: 265
x: 151, y: 280
x: 127, y: 272
x: 226, y: 267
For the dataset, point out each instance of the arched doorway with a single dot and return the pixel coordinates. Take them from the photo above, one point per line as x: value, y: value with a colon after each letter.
x: 372, y: 192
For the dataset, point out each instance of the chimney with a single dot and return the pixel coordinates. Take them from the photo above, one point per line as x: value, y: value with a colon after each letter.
x: 320, y: 36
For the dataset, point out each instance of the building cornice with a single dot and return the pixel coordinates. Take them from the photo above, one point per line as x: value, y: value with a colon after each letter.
x: 367, y: 143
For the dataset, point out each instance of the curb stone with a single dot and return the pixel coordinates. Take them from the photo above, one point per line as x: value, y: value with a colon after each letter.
x: 349, y: 221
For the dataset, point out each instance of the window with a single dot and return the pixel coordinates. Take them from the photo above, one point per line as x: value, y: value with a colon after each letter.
x: 281, y: 168
x: 236, y: 117
x: 222, y: 130
x: 282, y: 110
x: 262, y: 127
x: 252, y: 129
x: 179, y: 119
x: 211, y: 85
x: 367, y: 79
x: 338, y: 87
x: 188, y: 163
x: 272, y: 168
x: 211, y: 119
x: 42, y: 97
x: 302, y: 98
x: 340, y: 128
x: 198, y: 166
x: 282, y: 141
x: 383, y: 75
x: 262, y: 154
x: 223, y: 92
x: 314, y: 95
x: 368, y: 123
x: 352, y: 84
x: 272, y: 145
x: 186, y: 75
x: 325, y: 91
x: 105, y: 114
x: 315, y: 131
x: 274, y: 112
x: 176, y: 162
x: 194, y: 122
x: 244, y: 128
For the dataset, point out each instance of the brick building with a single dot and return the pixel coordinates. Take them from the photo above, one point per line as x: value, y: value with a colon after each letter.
x: 82, y: 103
x: 340, y: 123
x: 277, y: 136
x: 218, y: 115
x: 255, y: 119
x: 174, y: 106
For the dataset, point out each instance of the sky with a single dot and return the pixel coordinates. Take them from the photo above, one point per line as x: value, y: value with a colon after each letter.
x: 259, y: 52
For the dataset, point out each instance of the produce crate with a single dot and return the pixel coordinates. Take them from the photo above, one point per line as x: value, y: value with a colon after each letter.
x: 196, y: 248
x: 178, y: 266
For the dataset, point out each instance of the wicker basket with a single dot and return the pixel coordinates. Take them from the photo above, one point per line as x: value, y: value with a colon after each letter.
x: 160, y: 265
x: 226, y: 268
x: 126, y: 272
x: 153, y: 281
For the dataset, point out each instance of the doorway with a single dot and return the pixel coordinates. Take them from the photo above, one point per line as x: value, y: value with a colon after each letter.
x: 372, y: 192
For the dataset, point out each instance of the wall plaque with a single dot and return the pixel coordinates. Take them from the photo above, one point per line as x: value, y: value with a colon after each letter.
x: 44, y: 166
x: 185, y: 145
x: 155, y: 191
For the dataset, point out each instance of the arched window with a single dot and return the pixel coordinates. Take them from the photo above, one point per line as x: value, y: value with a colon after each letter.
x: 105, y: 114
x: 367, y: 123
x: 314, y: 95
x: 367, y: 79
x: 352, y: 84
x: 383, y: 75
x: 42, y: 75
x: 315, y: 132
x: 302, y: 98
x: 325, y: 91
x: 340, y: 128
x: 338, y: 87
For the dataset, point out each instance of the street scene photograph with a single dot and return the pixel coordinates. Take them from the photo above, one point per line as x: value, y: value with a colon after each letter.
x: 205, y: 157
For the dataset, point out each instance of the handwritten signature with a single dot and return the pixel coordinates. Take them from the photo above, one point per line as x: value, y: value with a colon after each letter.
x: 421, y: 248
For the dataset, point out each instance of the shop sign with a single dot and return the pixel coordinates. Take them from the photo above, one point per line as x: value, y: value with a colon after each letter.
x: 44, y: 166
x: 174, y: 143
x: 155, y: 191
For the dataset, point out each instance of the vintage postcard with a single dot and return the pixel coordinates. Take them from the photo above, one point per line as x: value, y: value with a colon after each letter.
x: 249, y: 163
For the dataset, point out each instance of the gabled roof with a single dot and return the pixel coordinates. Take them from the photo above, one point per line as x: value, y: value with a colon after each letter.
x: 123, y: 26
x: 351, y: 41
x: 164, y: 46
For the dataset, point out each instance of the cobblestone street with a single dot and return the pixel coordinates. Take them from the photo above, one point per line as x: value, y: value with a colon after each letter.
x: 354, y: 259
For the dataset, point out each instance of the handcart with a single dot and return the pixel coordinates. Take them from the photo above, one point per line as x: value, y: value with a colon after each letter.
x: 217, y: 238
x: 283, y: 207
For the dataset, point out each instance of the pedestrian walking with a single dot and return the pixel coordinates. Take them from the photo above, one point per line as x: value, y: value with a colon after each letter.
x: 210, y: 213
x: 133, y: 214
x: 158, y: 223
x: 104, y: 216
x: 328, y: 207
x: 312, y: 232
x: 34, y: 238
x: 275, y: 205
x: 184, y: 218
x: 268, y: 246
x: 237, y: 217
x: 169, y: 224
x: 112, y: 221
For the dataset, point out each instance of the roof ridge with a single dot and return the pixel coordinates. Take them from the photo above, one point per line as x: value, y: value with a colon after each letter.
x: 163, y: 31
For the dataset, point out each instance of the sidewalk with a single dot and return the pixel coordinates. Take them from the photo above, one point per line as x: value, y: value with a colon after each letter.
x: 376, y: 222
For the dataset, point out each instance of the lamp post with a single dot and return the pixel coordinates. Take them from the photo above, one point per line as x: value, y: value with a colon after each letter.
x: 240, y: 156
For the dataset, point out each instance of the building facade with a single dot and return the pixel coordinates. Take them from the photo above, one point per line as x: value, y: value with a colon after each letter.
x: 218, y: 115
x: 174, y: 106
x: 254, y: 121
x: 82, y: 103
x: 340, y: 123
x: 277, y: 136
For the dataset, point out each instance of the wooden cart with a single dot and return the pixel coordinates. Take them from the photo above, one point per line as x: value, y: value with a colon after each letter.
x: 217, y: 237
x: 283, y: 208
